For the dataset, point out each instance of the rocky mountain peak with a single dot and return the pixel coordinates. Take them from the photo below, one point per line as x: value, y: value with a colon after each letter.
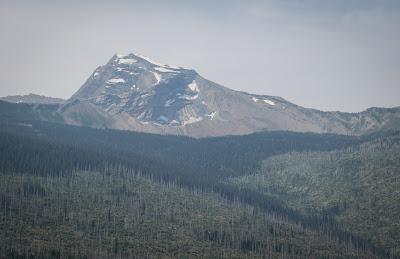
x: 147, y: 90
x: 136, y: 93
x: 140, y: 60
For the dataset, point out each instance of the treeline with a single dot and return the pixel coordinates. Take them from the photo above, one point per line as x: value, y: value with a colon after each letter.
x: 224, y: 156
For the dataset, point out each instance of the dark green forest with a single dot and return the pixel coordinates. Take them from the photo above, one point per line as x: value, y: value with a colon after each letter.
x: 75, y: 192
x: 359, y: 185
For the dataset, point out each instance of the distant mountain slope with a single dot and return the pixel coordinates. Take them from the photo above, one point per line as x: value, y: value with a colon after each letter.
x: 132, y: 92
x: 32, y: 98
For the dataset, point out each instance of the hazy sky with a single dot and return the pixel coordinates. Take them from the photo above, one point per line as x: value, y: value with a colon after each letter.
x: 326, y: 54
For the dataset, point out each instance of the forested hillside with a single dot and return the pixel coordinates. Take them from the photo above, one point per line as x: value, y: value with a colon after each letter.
x: 115, y: 193
x: 122, y: 214
x: 360, y: 185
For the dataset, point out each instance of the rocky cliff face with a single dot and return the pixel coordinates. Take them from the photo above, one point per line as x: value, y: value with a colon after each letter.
x: 135, y: 93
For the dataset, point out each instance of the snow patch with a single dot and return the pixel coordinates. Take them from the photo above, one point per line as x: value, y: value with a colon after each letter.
x: 169, y: 102
x: 194, y: 87
x: 188, y: 97
x: 165, y: 70
x: 120, y: 56
x: 95, y: 74
x: 127, y: 61
x: 269, y: 102
x: 110, y: 107
x: 212, y: 115
x: 145, y: 95
x: 264, y: 100
x: 116, y: 80
x: 194, y: 97
x: 157, y: 76
x: 141, y: 116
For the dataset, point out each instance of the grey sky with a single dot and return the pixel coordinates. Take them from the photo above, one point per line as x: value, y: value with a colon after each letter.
x: 331, y: 55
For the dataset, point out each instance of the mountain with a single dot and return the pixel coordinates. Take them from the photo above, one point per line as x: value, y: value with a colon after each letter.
x: 125, y: 194
x: 32, y: 98
x: 133, y: 92
x: 143, y: 95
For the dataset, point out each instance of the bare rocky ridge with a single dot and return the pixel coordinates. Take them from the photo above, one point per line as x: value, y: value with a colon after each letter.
x: 32, y: 98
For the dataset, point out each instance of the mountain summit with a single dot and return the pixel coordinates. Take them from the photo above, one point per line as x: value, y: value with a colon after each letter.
x: 149, y: 92
x: 159, y: 98
x: 133, y: 92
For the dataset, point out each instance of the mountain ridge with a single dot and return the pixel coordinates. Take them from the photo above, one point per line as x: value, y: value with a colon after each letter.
x: 32, y: 98
x: 133, y: 92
